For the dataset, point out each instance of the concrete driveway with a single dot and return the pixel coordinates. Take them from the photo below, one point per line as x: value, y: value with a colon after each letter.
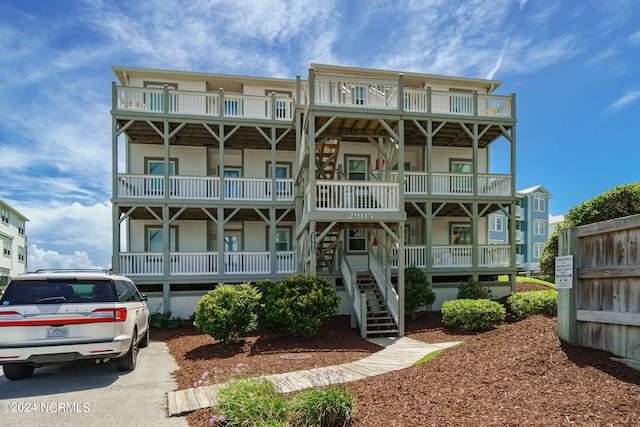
x: 84, y: 393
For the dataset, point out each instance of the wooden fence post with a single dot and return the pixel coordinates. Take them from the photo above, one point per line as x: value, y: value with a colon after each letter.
x: 567, y: 298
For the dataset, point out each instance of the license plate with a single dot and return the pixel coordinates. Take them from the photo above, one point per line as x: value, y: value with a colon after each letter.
x: 57, y: 332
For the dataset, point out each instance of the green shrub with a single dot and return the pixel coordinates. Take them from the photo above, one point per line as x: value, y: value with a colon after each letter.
x: 472, y: 314
x: 621, y: 201
x: 250, y: 402
x: 164, y: 321
x: 417, y: 292
x: 472, y: 289
x: 525, y: 304
x: 228, y: 311
x: 329, y: 406
x: 297, y: 304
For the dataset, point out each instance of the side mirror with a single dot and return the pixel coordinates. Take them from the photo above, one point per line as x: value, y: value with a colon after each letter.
x: 144, y: 297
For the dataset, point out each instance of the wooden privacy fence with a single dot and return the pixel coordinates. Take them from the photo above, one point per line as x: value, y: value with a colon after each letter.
x: 602, y: 307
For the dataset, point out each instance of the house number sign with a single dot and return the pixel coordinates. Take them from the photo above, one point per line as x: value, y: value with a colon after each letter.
x: 360, y: 215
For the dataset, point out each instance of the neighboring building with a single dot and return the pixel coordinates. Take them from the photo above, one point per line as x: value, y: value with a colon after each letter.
x: 554, y: 222
x: 532, y: 229
x: 226, y: 179
x: 14, y: 243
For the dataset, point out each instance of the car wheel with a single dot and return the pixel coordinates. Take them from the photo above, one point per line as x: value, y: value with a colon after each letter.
x: 144, y: 342
x: 18, y: 371
x: 128, y: 361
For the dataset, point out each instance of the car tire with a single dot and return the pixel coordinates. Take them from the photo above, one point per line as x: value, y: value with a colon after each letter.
x: 129, y: 360
x: 144, y: 342
x: 18, y: 371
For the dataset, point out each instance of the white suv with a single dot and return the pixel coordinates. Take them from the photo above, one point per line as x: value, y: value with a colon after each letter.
x: 57, y: 316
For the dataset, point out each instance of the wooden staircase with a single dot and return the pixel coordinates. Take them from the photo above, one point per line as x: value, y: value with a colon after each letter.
x: 326, y: 251
x: 379, y: 321
x: 326, y: 158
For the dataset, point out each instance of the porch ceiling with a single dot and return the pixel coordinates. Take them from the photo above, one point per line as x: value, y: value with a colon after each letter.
x: 197, y: 214
x: 450, y: 135
x: 195, y: 134
x: 450, y: 209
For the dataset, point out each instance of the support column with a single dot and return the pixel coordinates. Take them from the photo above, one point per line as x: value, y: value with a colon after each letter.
x: 401, y: 263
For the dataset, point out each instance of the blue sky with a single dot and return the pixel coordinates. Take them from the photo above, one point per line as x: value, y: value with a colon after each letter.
x: 574, y: 66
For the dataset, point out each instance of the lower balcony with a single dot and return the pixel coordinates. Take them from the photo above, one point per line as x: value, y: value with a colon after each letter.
x: 205, y: 263
x: 457, y: 256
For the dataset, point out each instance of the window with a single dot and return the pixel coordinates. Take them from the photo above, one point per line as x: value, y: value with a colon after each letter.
x: 156, y: 167
x: 496, y: 223
x: 6, y: 248
x: 460, y: 234
x: 283, y: 170
x: 155, y: 238
x: 358, y: 95
x: 461, y: 101
x: 232, y: 187
x: 126, y: 291
x: 282, y: 239
x: 539, y: 203
x: 5, y: 215
x: 538, y: 228
x: 156, y: 99
x: 231, y: 108
x: 461, y: 166
x: 22, y: 254
x: 232, y: 241
x: 357, y: 169
x: 21, y: 226
x: 537, y: 250
x: 356, y: 240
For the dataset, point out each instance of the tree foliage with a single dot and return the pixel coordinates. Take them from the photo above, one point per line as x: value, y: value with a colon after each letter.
x: 417, y: 292
x: 619, y: 202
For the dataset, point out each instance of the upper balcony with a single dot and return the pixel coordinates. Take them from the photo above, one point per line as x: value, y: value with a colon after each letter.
x: 393, y: 95
x: 206, y: 104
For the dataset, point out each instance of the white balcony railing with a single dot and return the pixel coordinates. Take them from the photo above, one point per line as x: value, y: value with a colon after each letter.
x: 519, y: 213
x: 359, y: 92
x: 494, y: 256
x: 357, y: 195
x: 181, y: 187
x: 203, y: 263
x: 519, y: 237
x: 455, y: 184
x: 193, y: 263
x: 451, y: 256
x: 383, y: 93
x: 204, y: 103
x: 285, y: 262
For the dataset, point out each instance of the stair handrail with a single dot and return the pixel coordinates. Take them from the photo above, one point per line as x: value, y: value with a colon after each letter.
x: 358, y: 299
x: 386, y: 288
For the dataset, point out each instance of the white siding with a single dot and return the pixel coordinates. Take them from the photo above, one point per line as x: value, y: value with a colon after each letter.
x: 192, y: 161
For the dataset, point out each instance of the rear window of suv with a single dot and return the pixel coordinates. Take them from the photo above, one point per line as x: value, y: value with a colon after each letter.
x: 58, y: 291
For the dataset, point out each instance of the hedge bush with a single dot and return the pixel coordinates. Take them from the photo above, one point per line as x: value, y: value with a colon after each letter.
x: 228, y: 311
x: 472, y: 289
x: 297, y: 304
x: 472, y: 314
x: 417, y: 292
x: 525, y: 304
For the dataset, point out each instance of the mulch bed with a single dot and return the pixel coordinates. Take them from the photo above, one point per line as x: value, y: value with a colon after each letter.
x: 519, y: 374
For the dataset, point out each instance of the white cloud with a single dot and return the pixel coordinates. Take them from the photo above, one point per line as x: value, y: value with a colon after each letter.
x: 622, y: 102
x: 68, y: 230
x: 47, y: 259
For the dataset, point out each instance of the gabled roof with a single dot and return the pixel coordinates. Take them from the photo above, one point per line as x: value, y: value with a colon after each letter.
x: 535, y: 189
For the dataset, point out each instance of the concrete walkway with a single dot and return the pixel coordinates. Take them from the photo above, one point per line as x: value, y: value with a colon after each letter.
x: 398, y: 353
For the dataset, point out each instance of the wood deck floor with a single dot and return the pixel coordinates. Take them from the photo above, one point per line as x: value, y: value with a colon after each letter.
x: 398, y: 353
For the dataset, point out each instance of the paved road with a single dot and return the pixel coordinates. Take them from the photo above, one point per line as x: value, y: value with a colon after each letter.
x: 84, y: 393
